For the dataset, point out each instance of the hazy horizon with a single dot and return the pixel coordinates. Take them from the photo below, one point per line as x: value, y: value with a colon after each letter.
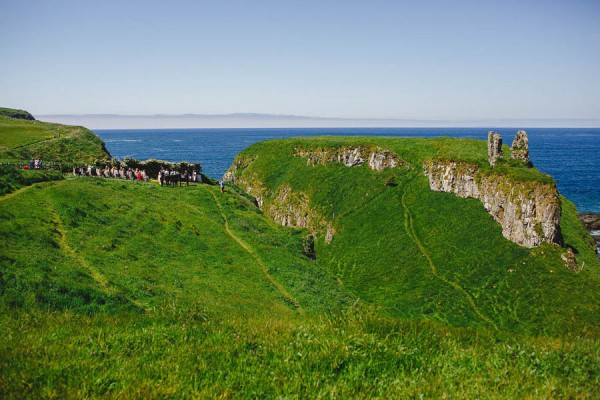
x: 252, y: 120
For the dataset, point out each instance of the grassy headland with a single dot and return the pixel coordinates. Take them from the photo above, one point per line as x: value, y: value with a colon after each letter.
x: 424, y: 254
x: 23, y: 139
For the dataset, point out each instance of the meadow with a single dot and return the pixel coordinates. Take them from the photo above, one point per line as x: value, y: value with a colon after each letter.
x: 148, y: 300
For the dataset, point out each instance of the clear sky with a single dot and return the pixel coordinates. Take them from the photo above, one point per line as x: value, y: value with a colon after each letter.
x: 355, y: 59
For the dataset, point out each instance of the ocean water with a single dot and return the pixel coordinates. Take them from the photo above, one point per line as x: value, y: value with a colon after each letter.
x: 571, y: 156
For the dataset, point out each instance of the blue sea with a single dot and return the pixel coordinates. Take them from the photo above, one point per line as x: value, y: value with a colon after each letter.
x: 571, y: 156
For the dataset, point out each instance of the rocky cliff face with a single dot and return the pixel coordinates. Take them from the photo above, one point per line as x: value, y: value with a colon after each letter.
x: 376, y: 158
x: 289, y: 208
x: 285, y: 206
x: 529, y: 212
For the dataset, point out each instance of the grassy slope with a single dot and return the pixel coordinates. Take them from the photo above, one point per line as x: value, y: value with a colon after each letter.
x: 23, y: 139
x: 419, y: 253
x: 144, y: 247
x: 119, y: 289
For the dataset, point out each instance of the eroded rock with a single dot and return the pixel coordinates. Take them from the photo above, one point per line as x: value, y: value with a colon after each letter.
x: 494, y: 147
x: 377, y: 158
x: 529, y: 212
x: 520, y: 148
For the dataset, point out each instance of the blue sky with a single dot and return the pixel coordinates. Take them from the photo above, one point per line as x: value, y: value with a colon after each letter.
x: 353, y: 59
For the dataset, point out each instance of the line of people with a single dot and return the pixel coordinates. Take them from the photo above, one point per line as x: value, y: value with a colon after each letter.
x: 112, y: 172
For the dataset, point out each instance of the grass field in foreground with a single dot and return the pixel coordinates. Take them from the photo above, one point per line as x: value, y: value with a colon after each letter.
x: 180, y: 353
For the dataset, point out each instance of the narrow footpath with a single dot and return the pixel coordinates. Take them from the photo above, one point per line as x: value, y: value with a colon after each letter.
x: 96, y: 275
x: 412, y: 233
x: 252, y: 253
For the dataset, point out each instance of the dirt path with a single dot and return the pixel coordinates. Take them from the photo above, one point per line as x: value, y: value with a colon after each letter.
x: 412, y: 233
x: 252, y: 253
x: 15, y: 193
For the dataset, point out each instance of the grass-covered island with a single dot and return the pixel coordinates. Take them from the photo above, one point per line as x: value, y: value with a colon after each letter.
x: 376, y: 286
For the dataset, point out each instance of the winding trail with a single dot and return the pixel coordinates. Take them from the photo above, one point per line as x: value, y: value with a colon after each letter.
x: 96, y: 275
x: 412, y: 233
x: 16, y: 192
x: 252, y: 253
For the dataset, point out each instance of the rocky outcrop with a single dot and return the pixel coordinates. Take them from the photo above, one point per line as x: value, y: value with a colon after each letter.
x: 291, y: 209
x: 520, y: 148
x: 529, y: 212
x: 18, y: 114
x: 285, y: 207
x: 494, y: 147
x: 376, y: 158
x: 239, y: 163
x: 592, y: 224
x: 570, y: 261
x: 591, y: 221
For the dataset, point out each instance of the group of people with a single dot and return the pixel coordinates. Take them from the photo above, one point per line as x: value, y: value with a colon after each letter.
x: 173, y: 177
x: 165, y: 176
x: 35, y: 163
x: 112, y: 172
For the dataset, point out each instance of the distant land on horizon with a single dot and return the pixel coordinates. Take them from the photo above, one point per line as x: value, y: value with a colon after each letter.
x: 254, y: 120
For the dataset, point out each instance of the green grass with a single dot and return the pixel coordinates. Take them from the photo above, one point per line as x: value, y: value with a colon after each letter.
x: 423, y: 254
x: 13, y: 178
x: 12, y: 113
x: 24, y: 139
x: 119, y: 289
x: 149, y: 246
x: 170, y: 354
x: 16, y: 133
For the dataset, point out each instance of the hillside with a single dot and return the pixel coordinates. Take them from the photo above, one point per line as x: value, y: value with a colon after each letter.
x: 12, y: 113
x: 22, y: 138
x: 391, y: 240
x: 119, y: 289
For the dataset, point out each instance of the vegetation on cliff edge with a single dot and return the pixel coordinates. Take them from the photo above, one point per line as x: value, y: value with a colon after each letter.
x: 22, y: 139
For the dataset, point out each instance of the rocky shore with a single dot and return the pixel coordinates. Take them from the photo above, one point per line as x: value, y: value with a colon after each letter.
x: 592, y: 224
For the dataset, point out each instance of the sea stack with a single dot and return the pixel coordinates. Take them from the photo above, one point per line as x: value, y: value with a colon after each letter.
x: 494, y: 147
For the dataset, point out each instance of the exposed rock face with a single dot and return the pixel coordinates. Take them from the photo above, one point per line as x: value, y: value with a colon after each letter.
x: 529, y: 212
x: 494, y: 147
x: 592, y: 224
x: 520, y: 147
x: 291, y: 209
x: 591, y: 221
x: 378, y: 159
x: 285, y: 207
x: 238, y: 163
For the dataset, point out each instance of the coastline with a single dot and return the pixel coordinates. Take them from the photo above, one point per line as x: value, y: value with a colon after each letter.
x: 591, y: 222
